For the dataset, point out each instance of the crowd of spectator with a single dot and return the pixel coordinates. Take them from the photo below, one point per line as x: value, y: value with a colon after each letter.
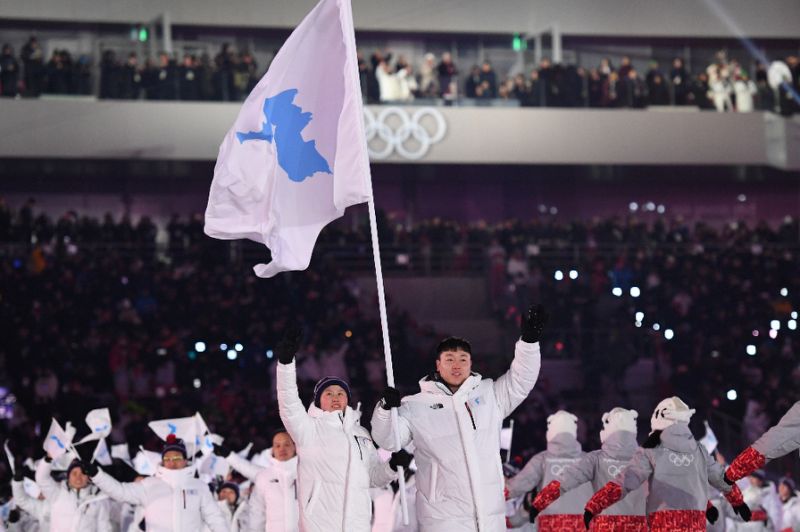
x: 85, y: 321
x: 725, y: 85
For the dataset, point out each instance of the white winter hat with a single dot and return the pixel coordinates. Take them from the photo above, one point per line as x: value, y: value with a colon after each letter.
x: 619, y: 419
x: 562, y: 421
x: 670, y: 411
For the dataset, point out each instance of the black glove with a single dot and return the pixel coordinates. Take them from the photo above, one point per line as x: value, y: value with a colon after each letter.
x: 89, y: 468
x: 14, y: 515
x: 728, y: 481
x: 533, y: 513
x: 587, y: 518
x: 652, y: 440
x: 391, y: 398
x: 400, y: 459
x: 712, y: 514
x: 743, y: 511
x: 527, y: 500
x: 221, y: 450
x: 289, y: 343
x: 533, y: 323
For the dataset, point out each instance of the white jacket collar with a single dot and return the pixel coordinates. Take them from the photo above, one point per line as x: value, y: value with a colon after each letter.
x: 431, y: 384
x: 348, y: 418
x: 176, y: 478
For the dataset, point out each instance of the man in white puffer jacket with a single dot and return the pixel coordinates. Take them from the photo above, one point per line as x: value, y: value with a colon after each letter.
x: 275, y: 486
x: 337, y: 460
x: 75, y: 505
x: 173, y: 499
x: 455, y: 424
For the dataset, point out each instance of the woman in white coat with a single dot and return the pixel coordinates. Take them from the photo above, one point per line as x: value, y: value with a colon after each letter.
x: 75, y: 505
x: 173, y: 499
x: 455, y: 424
x: 275, y: 486
x: 337, y: 460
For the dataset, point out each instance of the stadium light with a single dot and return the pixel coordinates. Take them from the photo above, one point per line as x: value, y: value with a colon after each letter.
x: 270, y: 353
x: 640, y: 316
x: 775, y: 324
x: 196, y: 383
x: 635, y: 292
x: 661, y: 209
x: 732, y: 395
x: 751, y: 350
x: 669, y: 334
x: 656, y: 327
x: 792, y: 324
x: 784, y: 292
x: 633, y: 206
x: 573, y: 274
x: 773, y: 333
x: 232, y: 354
x: 617, y: 291
x: 559, y: 275
x: 223, y: 347
x: 238, y: 347
x: 200, y: 347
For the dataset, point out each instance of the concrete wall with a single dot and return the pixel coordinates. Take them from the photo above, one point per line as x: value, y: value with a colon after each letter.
x: 699, y: 18
x: 90, y: 129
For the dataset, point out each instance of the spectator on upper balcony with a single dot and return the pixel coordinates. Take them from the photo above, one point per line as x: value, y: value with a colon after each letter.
x: 59, y: 73
x: 681, y: 82
x: 766, y: 96
x: 9, y: 72
x: 448, y: 72
x: 245, y: 75
x: 634, y: 91
x: 224, y: 64
x: 489, y: 79
x: 363, y: 74
x: 719, y: 87
x: 744, y: 90
x: 520, y: 89
x: 428, y: 78
x: 166, y: 78
x: 33, y: 63
x: 551, y: 77
x: 189, y: 79
x: 473, y: 82
x: 387, y: 82
x: 611, y: 91
x: 605, y: 67
x: 700, y: 94
x: 594, y: 88
x: 407, y: 87
x: 625, y: 67
x: 535, y: 95
x: 131, y: 78
x: 657, y: 88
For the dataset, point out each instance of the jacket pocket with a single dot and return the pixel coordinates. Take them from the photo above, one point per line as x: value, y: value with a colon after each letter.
x: 434, y: 480
x: 312, y: 498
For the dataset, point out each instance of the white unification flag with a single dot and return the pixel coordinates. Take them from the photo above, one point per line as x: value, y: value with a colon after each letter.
x: 57, y: 442
x: 99, y: 423
x: 184, y: 428
x: 101, y: 454
x: 146, y: 462
x: 296, y: 156
x: 122, y: 452
x: 709, y: 441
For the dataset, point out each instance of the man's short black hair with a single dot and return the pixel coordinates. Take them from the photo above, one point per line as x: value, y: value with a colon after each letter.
x: 453, y: 343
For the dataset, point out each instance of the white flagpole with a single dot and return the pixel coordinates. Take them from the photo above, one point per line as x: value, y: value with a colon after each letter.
x: 387, y: 348
x: 510, y: 439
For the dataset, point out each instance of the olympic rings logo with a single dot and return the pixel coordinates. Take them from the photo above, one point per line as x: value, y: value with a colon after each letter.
x: 614, y: 470
x: 556, y: 470
x: 681, y: 460
x: 396, y: 139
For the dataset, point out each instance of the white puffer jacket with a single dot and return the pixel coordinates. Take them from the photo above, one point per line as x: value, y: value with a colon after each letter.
x: 72, y: 510
x: 173, y: 500
x: 275, y: 487
x: 237, y: 517
x: 38, y: 510
x: 337, y: 462
x: 456, y: 436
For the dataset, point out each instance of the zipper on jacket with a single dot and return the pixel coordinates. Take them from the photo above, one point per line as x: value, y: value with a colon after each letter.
x: 184, y: 498
x: 471, y: 418
x: 359, y: 448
